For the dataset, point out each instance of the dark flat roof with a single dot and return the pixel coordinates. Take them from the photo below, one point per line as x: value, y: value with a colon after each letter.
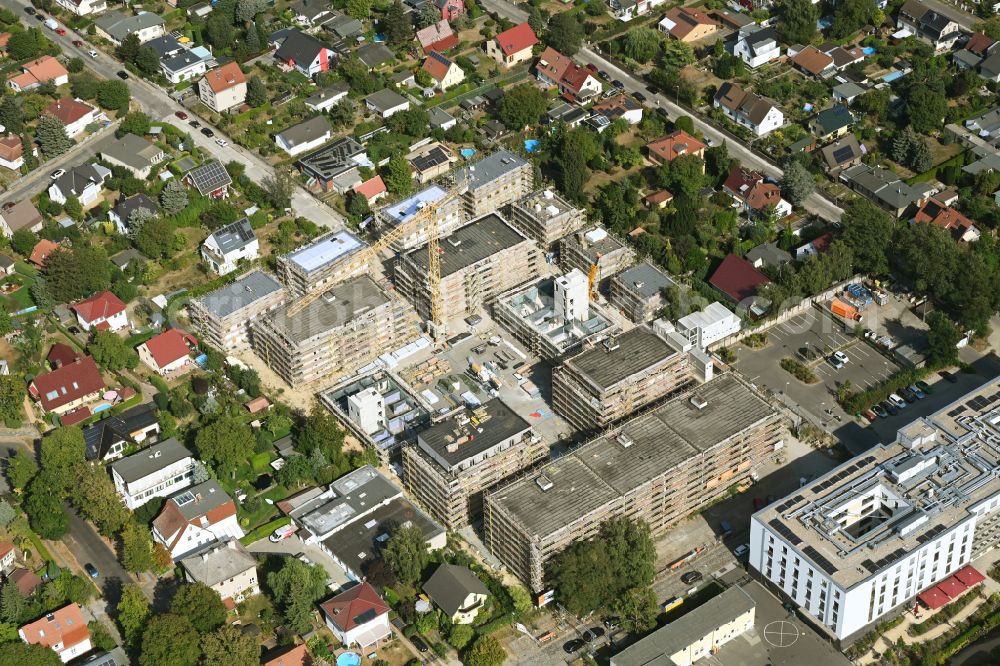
x: 637, y: 350
x: 470, y: 244
x: 336, y: 307
x: 501, y: 423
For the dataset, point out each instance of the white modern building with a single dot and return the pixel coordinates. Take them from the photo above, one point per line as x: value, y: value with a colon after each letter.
x: 229, y: 246
x: 703, y: 329
x: 158, y: 471
x: 756, y: 45
x: 367, y: 409
x: 883, y: 530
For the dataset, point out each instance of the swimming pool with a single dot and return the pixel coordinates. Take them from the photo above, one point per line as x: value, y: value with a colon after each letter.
x: 892, y: 76
x: 467, y: 153
x: 531, y: 145
x: 349, y: 659
x: 868, y: 50
x: 100, y: 408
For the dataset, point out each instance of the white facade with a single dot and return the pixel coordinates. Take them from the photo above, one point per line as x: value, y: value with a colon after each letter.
x: 224, y: 263
x: 294, y: 149
x: 707, y: 327
x: 87, y: 197
x: 367, y: 409
x: 190, y: 70
x: 572, y: 302
x: 160, y: 483
x: 147, y: 358
x: 193, y: 537
x: 76, y: 128
x: 359, y: 635
x: 83, y: 8
x: 755, y: 54
x: 116, y: 322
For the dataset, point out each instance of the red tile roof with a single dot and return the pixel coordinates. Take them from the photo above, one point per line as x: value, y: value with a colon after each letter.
x: 5, y: 547
x: 345, y: 608
x: 737, y: 278
x: 686, y: 19
x: 66, y: 384
x: 78, y: 415
x: 553, y: 64
x: 66, y: 626
x: 61, y: 354
x: 946, y: 217
x: 168, y: 346
x: 171, y: 522
x: 42, y: 250
x: 99, y: 306
x: 371, y: 188
x: 223, y: 78
x: 979, y: 44
x: 659, y: 197
x: 68, y: 110
x: 436, y: 65
x: 437, y: 37
x: 812, y: 60
x: 674, y: 145
x: 26, y: 581
x: 516, y: 39
x: 297, y: 656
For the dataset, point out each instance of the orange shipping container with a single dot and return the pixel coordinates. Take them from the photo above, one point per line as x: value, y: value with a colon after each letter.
x: 839, y: 307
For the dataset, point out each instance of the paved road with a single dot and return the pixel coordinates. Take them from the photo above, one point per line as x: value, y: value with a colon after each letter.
x: 87, y: 546
x: 159, y: 105
x: 815, y: 204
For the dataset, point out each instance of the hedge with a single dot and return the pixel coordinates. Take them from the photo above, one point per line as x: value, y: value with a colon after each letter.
x: 862, y: 400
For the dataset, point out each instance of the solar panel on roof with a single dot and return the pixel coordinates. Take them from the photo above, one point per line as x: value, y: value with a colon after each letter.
x: 783, y: 529
x: 844, y: 154
x: 819, y: 560
x: 210, y: 177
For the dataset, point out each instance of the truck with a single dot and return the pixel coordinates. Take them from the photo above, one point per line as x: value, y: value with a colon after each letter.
x: 842, y: 309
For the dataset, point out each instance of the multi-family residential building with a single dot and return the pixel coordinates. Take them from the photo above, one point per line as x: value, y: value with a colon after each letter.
x: 108, y: 438
x: 227, y: 567
x: 157, y: 471
x: 493, y: 182
x: 639, y: 291
x: 195, y: 518
x: 311, y: 267
x: 348, y: 326
x: 586, y: 250
x: 752, y: 111
x: 448, y: 216
x: 545, y: 217
x: 223, y: 88
x: 458, y: 457
x: 616, y: 377
x: 896, y: 525
x: 478, y: 262
x: 223, y: 316
x: 115, y: 26
x: 929, y: 25
x: 512, y: 46
x: 64, y: 631
x: 658, y: 467
x: 230, y: 246
x: 704, y: 328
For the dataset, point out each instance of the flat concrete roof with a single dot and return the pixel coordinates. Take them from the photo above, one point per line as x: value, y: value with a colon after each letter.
x: 495, y: 422
x: 470, y: 244
x: 401, y: 211
x: 637, y: 350
x: 325, y: 250
x: 603, y: 469
x: 239, y: 294
x: 335, y: 307
x: 645, y: 279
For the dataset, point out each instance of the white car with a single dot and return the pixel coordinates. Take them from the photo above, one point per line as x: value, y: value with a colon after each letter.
x: 839, y: 359
x: 57, y: 173
x: 897, y: 400
x: 282, y: 533
x: 222, y: 142
x: 92, y: 53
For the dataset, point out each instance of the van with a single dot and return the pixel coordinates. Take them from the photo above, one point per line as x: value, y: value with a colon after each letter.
x: 282, y: 533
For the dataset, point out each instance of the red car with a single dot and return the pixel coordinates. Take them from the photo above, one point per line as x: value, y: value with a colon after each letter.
x: 77, y: 43
x: 61, y: 32
x: 181, y: 115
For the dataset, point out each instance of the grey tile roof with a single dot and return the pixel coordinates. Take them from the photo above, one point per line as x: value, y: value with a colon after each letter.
x: 120, y: 26
x: 76, y: 180
x: 198, y: 500
x: 450, y: 584
x: 385, y: 99
x: 239, y: 294
x: 101, y: 436
x: 149, y: 460
x: 305, y: 132
x: 439, y: 117
x: 769, y: 253
x: 299, y: 48
x: 164, y: 46
x: 336, y: 89
x: 125, y: 207
x: 219, y: 563
x: 181, y: 61
x: 132, y: 150
x: 373, y: 55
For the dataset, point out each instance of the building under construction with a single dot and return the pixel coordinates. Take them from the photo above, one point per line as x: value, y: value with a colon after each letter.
x: 347, y: 327
x: 595, y: 252
x: 464, y: 453
x: 316, y: 264
x: 497, y: 180
x: 545, y: 217
x: 449, y: 216
x: 614, y: 378
x: 639, y: 291
x: 478, y: 262
x: 659, y: 467
x: 223, y: 316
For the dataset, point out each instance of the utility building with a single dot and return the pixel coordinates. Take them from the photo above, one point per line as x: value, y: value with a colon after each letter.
x: 616, y: 377
x: 312, y: 266
x: 659, y: 468
x: 468, y: 451
x: 345, y: 328
x: 545, y: 217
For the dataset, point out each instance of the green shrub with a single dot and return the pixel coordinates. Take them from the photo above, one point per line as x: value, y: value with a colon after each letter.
x: 261, y: 462
x: 799, y: 371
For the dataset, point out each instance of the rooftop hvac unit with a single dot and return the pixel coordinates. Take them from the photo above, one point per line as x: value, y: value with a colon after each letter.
x: 624, y: 440
x: 698, y: 402
x: 544, y: 482
x: 548, y: 194
x: 611, y: 343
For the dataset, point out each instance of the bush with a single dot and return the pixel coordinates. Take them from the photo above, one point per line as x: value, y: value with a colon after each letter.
x: 799, y: 371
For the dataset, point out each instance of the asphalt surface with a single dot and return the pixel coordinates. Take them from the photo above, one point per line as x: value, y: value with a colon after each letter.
x: 87, y: 547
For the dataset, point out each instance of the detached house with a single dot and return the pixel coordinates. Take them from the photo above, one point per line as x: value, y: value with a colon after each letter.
x: 73, y: 114
x: 814, y: 62
x: 223, y: 88
x: 626, y: 10
x: 843, y: 153
x: 357, y: 616
x: 115, y: 26
x: 305, y: 136
x: 83, y: 7
x: 674, y: 145
x: 754, y: 194
x: 884, y: 188
x: 68, y: 387
x: 304, y: 53
x: 121, y: 214
x: 445, y: 73
x: 107, y: 439
x: 457, y: 591
x: 437, y: 37
x: 572, y: 80
x: 226, y: 567
x: 64, y: 631
x: 620, y: 106
x: 928, y: 25
x: 210, y: 179
x: 937, y: 213
x: 513, y: 46
x: 37, y: 72
x: 20, y: 215
x: 133, y: 153
x: 450, y: 9
x: 101, y: 312
x: 756, y: 45
x: 831, y: 123
x: 185, y: 65
x: 327, y: 98
x: 386, y: 102
x: 752, y: 111
x: 312, y: 12
x: 230, y: 245
x: 11, y: 152
x: 687, y: 24
x: 158, y: 471
x: 167, y: 352
x: 195, y: 518
x: 85, y: 182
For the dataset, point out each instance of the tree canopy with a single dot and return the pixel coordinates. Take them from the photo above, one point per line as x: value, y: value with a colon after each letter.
x: 406, y: 553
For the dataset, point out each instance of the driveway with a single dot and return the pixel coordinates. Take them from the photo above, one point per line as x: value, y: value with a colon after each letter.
x: 294, y: 546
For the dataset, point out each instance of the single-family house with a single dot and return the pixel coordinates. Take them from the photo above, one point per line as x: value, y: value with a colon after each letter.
x: 768, y: 254
x: 305, y: 136
x: 327, y: 98
x: 437, y: 37
x: 512, y: 46
x: 83, y: 7
x: 845, y: 93
x: 755, y: 194
x: 626, y: 10
x: 226, y: 567
x: 343, y: 27
x: 439, y: 118
x: 843, y: 153
x: 759, y: 115
x: 687, y: 24
x: 372, y: 189
x: 304, y: 53
x: 446, y: 73
x: 386, y: 102
x: 115, y: 26
x: 450, y: 9
x: 227, y: 248
x: 457, y: 591
x: 41, y: 252
x: 374, y: 55
x: 884, y: 188
x: 674, y: 145
x: 64, y: 631
x: 555, y: 69
x: 430, y: 161
x: 223, y: 88
x: 157, y: 471
x: 85, y: 182
x: 311, y: 13
x: 20, y: 215
x: 293, y: 656
x: 620, y: 106
x: 61, y: 354
x: 210, y: 179
x: 816, y: 246
x: 357, y: 616
x: 929, y: 25
x: 187, y: 65
x: 165, y: 46
x: 7, y: 264
x: 659, y: 199
x: 814, y: 62
x: 101, y: 312
x: 107, y: 439
x: 68, y: 387
x: 73, y: 114
x: 121, y: 214
x: 8, y: 555
x: 832, y: 123
x: 11, y: 152
x: 133, y: 153
x: 935, y: 212
x: 194, y: 518
x: 738, y: 280
x: 985, y: 125
x: 756, y: 45
x: 125, y: 258
x: 37, y: 72
x: 334, y: 167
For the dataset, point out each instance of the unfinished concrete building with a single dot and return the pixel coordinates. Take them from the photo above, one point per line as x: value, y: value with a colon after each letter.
x: 497, y: 180
x: 223, y: 317
x: 478, y: 262
x: 545, y: 217
x: 553, y: 316
x: 659, y: 467
x: 638, y: 291
x: 464, y: 453
x: 618, y: 376
x: 344, y: 329
x: 449, y: 216
x: 596, y: 247
x: 310, y: 267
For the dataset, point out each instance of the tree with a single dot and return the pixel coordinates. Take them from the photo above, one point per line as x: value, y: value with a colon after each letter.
x: 683, y: 176
x: 397, y: 176
x: 565, y: 33
x: 631, y: 549
x: 133, y: 613
x: 486, y: 651
x: 229, y: 646
x: 677, y: 54
x: 72, y: 274
x: 21, y: 469
x: 461, y: 635
x: 406, y: 553
x: 797, y: 183
x: 295, y: 587
x: 174, y: 197
x: 523, y: 105
x: 155, y: 238
x: 279, y: 188
x: 850, y: 15
x: 137, y: 548
x: 128, y: 50
x: 201, y: 605
x: 23, y: 241
x: 921, y: 159
x: 43, y: 505
x: 134, y: 122
x: 925, y: 108
x: 12, y: 604
x: 429, y: 15
x: 536, y: 21
x: 73, y: 208
x: 797, y: 24
x: 252, y: 39
x: 110, y: 350
x: 398, y: 29
x: 23, y: 654
x: 219, y: 30
x: 52, y: 137
x: 84, y: 85
x: 868, y: 232
x: 24, y: 45
x: 942, y: 338
x: 169, y: 640
x: 62, y: 450
x: 113, y: 95
x: 247, y: 10
x: 96, y: 499
x: 637, y: 609
x: 256, y: 91
x: 411, y: 122
x: 359, y: 9
x: 225, y: 444
x: 641, y: 44
x: 147, y: 60
x: 11, y: 115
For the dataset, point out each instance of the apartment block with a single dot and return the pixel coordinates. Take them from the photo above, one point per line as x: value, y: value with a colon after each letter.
x: 638, y: 291
x: 478, y: 262
x: 347, y: 327
x: 158, y: 471
x: 586, y: 249
x: 616, y: 377
x: 222, y: 317
x: 463, y: 454
x: 545, y: 217
x: 448, y: 217
x: 309, y: 268
x: 497, y: 180
x: 659, y: 467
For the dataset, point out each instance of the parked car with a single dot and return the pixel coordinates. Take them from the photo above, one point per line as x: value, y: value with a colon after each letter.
x: 194, y: 123
x: 92, y: 53
x: 207, y: 131
x: 57, y: 173
x: 30, y: 11
x: 880, y: 411
x: 122, y: 74
x: 594, y: 632
x: 91, y: 570
x: 909, y: 396
x: 915, y: 390
x: 691, y: 577
x: 573, y: 645
x: 61, y: 32
x: 618, y: 84
x: 888, y: 406
x: 925, y: 387
x: 839, y: 359
x: 282, y: 533
x: 419, y: 643
x: 741, y: 550
x: 181, y: 115
x: 948, y: 377
x: 870, y: 415
x: 77, y: 43
x: 639, y: 96
x: 897, y: 400
x: 222, y: 142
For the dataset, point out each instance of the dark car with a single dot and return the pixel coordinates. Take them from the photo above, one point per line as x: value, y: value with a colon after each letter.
x: 611, y: 623
x: 194, y: 123
x: 419, y: 644
x: 639, y: 96
x: 207, y: 131
x: 181, y: 115
x: 662, y: 111
x: 908, y: 395
x: 91, y: 570
x: 594, y: 633
x: 889, y: 407
x: 604, y: 75
x: 880, y: 411
x: 618, y: 84
x: 573, y: 645
x: 77, y: 43
x: 30, y: 11
x: 923, y: 386
x: 122, y: 74
x: 948, y: 377
x: 691, y: 577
